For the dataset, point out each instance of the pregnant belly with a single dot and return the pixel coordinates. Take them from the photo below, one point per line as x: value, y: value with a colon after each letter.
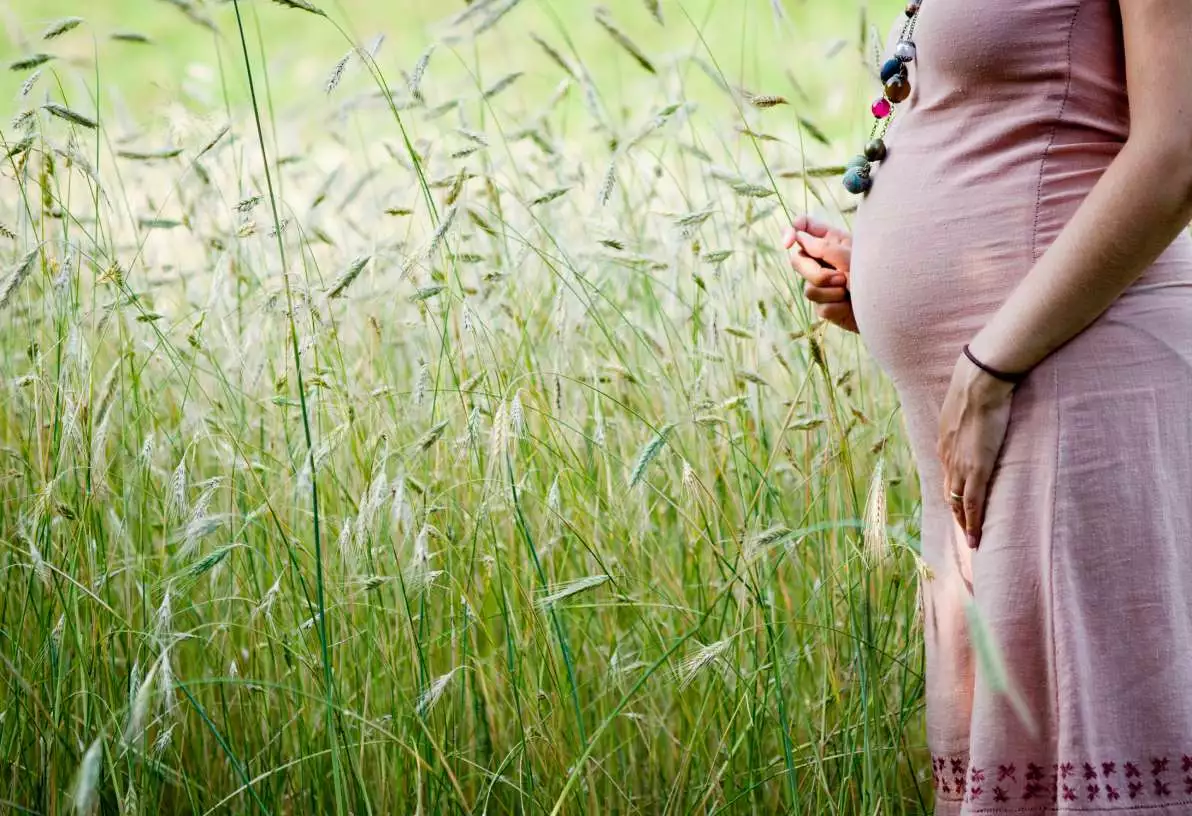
x: 931, y: 266
x: 920, y: 292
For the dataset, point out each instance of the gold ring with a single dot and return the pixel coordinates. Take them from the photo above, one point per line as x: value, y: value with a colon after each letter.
x: 956, y: 497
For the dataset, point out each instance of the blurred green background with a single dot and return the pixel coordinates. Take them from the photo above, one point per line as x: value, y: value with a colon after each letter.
x: 808, y: 49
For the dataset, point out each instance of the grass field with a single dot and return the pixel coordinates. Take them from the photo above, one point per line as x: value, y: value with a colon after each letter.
x: 441, y: 431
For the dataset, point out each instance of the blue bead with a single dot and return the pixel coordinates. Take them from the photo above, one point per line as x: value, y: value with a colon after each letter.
x: 891, y: 68
x: 858, y: 163
x: 857, y: 182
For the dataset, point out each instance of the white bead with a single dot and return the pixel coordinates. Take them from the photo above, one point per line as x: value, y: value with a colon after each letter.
x: 905, y: 50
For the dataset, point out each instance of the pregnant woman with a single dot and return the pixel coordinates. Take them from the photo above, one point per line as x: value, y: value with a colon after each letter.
x: 1019, y: 268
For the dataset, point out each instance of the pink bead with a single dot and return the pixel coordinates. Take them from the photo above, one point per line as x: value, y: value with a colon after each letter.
x: 881, y: 108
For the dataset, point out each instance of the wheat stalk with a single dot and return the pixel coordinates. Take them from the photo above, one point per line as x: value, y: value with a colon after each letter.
x: 877, y: 538
x: 649, y: 453
x: 85, y: 794
x: 432, y: 694
x: 572, y: 588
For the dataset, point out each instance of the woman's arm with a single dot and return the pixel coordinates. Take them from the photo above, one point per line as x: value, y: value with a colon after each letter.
x: 1138, y: 206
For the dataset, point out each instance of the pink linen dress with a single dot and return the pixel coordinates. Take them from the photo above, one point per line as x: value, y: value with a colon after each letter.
x: 1084, y: 576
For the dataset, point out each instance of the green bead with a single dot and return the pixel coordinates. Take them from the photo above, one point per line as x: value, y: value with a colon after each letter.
x: 875, y: 151
x: 857, y: 181
x: 858, y: 163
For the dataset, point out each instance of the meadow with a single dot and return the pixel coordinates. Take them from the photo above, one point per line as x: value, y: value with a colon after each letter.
x: 431, y: 423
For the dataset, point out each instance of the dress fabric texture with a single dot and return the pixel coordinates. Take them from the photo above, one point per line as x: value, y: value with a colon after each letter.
x: 1083, y: 577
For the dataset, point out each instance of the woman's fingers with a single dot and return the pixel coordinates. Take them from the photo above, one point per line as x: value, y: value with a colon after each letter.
x: 804, y: 223
x: 840, y: 314
x: 969, y: 509
x: 827, y: 249
x: 825, y: 294
x: 820, y: 255
x: 955, y: 490
x: 975, y: 490
x: 816, y: 273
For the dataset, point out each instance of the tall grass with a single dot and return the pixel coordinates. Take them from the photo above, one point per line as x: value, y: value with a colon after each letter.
x: 440, y: 449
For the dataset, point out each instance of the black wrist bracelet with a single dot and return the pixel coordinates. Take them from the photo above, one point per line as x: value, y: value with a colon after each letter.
x: 993, y: 372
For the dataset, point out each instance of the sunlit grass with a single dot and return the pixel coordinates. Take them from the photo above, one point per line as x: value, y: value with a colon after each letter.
x: 454, y: 443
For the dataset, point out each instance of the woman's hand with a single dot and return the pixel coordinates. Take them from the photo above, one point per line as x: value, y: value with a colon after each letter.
x: 822, y: 255
x: 973, y: 422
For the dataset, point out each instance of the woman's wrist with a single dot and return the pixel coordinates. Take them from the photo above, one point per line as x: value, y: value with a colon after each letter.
x: 1001, y: 359
x: 978, y: 381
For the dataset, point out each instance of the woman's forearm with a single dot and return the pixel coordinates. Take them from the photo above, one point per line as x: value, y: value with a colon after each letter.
x: 1137, y: 208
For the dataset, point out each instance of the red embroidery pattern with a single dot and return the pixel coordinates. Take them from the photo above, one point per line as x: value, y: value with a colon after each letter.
x: 955, y: 779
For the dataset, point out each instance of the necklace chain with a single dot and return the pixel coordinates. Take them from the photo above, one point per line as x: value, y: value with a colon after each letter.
x: 896, y: 82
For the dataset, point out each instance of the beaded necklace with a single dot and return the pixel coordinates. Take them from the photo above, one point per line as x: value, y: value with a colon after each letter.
x: 897, y: 87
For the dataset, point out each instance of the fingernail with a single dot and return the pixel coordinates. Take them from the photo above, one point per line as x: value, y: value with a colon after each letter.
x: 973, y: 541
x: 788, y: 237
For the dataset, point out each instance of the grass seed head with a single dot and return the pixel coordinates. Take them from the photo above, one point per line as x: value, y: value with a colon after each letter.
x: 431, y: 696
x: 134, y: 728
x: 502, y: 84
x: 131, y: 37
x: 337, y: 73
x: 72, y: 116
x: 764, y: 101
x: 40, y: 568
x: 432, y: 436
x: 877, y: 538
x: 210, y: 561
x: 17, y: 276
x: 415, y: 80
x: 554, y: 55
x: 704, y: 657
x: 498, y: 12
x: 550, y: 195
x: 348, y: 277
x: 28, y: 84
x: 604, y: 18
x: 610, y: 181
x: 649, y: 453
x: 57, y: 29
x: 30, y: 62
x: 302, y: 5
x: 571, y: 588
x: 517, y: 416
x: 86, y: 785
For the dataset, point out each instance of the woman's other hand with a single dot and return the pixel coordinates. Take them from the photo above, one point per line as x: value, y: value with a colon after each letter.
x: 974, y: 419
x: 822, y: 255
